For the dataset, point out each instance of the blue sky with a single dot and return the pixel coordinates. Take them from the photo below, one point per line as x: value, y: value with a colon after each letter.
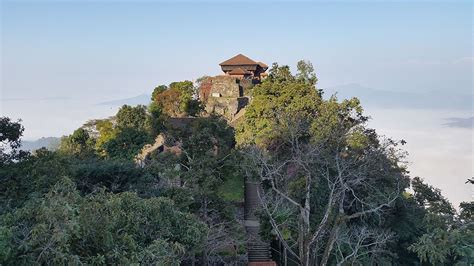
x: 107, y: 48
x: 60, y: 58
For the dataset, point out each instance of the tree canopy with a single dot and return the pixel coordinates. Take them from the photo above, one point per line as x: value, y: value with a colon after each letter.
x: 331, y: 191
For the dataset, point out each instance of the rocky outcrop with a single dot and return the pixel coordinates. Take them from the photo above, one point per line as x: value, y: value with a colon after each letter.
x: 148, y: 149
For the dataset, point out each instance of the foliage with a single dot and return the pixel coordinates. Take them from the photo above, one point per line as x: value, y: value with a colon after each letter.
x: 207, y: 144
x: 332, y: 190
x: 467, y: 211
x: 156, y: 119
x: 431, y: 198
x: 306, y: 73
x: 178, y: 99
x: 158, y: 89
x: 10, y: 142
x: 101, y: 228
x: 132, y: 117
x: 78, y: 143
x: 324, y: 175
x: 405, y: 219
x: 106, y: 134
x: 197, y: 176
x: 114, y: 175
x: 278, y: 95
x: 127, y: 143
x: 31, y: 178
x: 448, y: 238
x: 133, y: 129
x: 441, y: 247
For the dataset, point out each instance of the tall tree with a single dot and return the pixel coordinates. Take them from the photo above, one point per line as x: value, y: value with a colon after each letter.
x: 326, y: 191
x: 317, y: 162
x: 306, y: 73
x: 10, y: 140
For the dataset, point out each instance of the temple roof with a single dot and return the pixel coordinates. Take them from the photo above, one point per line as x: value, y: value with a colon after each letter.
x: 238, y: 60
x: 239, y: 71
x: 263, y: 65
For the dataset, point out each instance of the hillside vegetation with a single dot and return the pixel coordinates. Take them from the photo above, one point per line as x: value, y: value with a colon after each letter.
x: 333, y: 191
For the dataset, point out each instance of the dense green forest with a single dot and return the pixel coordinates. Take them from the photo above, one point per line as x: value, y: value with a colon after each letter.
x: 333, y: 191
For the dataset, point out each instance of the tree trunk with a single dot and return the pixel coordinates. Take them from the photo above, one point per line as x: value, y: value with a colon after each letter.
x: 204, y: 256
x: 330, y: 243
x: 306, y: 224
x: 303, y: 239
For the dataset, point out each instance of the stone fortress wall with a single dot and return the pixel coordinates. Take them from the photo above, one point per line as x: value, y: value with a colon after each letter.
x: 224, y: 95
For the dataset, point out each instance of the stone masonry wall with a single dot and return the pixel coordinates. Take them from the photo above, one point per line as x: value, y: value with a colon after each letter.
x: 224, y: 95
x: 226, y: 86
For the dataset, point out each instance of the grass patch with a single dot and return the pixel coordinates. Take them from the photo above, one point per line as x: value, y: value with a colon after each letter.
x: 232, y: 189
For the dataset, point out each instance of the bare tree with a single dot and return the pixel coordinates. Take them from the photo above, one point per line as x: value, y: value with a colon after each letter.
x: 223, y: 237
x: 356, y: 183
x: 360, y: 241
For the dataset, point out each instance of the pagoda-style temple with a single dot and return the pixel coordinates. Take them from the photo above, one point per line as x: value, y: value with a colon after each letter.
x: 243, y: 67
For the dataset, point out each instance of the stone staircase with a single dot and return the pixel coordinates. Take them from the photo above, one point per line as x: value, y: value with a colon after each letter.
x: 258, y: 251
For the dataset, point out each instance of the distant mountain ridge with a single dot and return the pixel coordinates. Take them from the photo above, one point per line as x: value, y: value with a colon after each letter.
x: 140, y: 99
x: 460, y: 122
x: 401, y: 99
x: 50, y: 143
x: 368, y: 96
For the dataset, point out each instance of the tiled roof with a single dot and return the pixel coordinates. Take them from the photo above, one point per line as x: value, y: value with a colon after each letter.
x: 239, y: 59
x: 263, y: 65
x: 239, y: 71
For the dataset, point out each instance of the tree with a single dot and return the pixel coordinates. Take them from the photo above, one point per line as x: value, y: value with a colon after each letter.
x: 280, y: 74
x: 405, y: 220
x: 448, y: 239
x: 203, y: 165
x: 326, y: 191
x: 156, y: 119
x: 306, y: 72
x: 31, y: 178
x: 132, y: 117
x: 317, y: 162
x: 114, y: 176
x: 66, y: 228
x: 79, y: 143
x: 127, y: 143
x: 178, y: 100
x: 158, y: 89
x: 467, y: 211
x: 106, y: 133
x: 131, y: 132
x: 10, y: 140
x: 277, y: 95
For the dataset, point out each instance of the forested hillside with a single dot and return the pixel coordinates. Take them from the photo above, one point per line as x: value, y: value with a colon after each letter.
x: 332, y: 191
